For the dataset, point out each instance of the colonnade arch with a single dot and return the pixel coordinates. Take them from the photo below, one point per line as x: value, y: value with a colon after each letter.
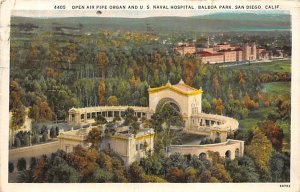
x: 228, y: 154
x: 170, y: 101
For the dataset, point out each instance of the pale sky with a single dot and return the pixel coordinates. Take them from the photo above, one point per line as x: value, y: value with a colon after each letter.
x: 124, y: 13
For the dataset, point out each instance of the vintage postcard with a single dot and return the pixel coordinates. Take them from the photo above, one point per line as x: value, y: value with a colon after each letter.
x: 139, y: 96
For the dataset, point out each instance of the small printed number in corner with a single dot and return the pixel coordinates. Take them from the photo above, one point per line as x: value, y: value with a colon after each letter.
x: 285, y: 185
x: 59, y: 7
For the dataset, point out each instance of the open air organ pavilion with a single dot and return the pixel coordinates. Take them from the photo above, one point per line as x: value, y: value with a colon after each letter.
x: 187, y: 100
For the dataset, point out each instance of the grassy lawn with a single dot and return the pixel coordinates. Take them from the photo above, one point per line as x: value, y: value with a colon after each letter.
x: 273, y: 66
x: 277, y: 88
x: 254, y: 117
x: 273, y: 89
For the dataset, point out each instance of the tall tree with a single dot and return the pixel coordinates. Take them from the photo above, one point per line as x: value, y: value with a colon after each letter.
x: 40, y: 111
x: 241, y: 78
x: 273, y: 132
x: 215, y: 84
x: 218, y: 105
x: 16, y: 108
x: 129, y: 117
x: 102, y: 60
x: 188, y: 72
x: 260, y: 150
x: 279, y: 166
x: 94, y: 137
x: 15, y: 95
x: 21, y: 165
x: 283, y: 107
x: 61, y: 172
x: 242, y: 169
x: 32, y: 55
x: 70, y: 53
x: 112, y: 101
x: 101, y: 92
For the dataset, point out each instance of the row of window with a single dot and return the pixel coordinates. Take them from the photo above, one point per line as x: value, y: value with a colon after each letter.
x: 206, y: 122
x: 137, y: 146
x: 195, y: 110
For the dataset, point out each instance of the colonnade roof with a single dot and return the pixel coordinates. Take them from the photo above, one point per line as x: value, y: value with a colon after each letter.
x: 107, y: 108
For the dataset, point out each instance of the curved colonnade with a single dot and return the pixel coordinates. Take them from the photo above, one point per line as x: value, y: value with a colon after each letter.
x: 86, y: 114
x: 203, y: 123
x: 214, y: 126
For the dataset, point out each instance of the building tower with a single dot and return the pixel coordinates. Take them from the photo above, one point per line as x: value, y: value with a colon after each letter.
x: 207, y: 43
x: 253, y: 51
x: 246, y: 52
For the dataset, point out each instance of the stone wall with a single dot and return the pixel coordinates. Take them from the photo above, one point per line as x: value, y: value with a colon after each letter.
x: 32, y: 151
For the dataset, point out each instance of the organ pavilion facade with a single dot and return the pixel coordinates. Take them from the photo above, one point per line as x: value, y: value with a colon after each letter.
x: 185, y: 99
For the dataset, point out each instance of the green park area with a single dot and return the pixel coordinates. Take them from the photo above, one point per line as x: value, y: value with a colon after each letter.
x: 254, y: 117
x: 278, y: 88
x: 273, y: 66
x: 273, y: 89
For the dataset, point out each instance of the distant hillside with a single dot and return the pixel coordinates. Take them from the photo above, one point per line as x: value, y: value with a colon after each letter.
x: 220, y: 22
x: 259, y: 17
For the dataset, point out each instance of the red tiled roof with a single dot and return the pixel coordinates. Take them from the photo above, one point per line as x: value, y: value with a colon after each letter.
x: 238, y: 49
x: 186, y: 45
x: 207, y: 54
x: 184, y: 87
x: 226, y: 50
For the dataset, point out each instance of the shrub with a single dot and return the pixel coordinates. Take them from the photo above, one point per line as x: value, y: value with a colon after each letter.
x: 101, y: 120
x: 33, y: 162
x: 116, y: 118
x: 206, y: 141
x: 175, y: 175
x: 52, y: 132
x: 17, y: 142
x: 57, y: 131
x: 21, y: 165
x: 45, y: 136
x: 35, y: 139
x: 11, y: 167
x: 27, y: 139
x: 44, y: 129
x: 217, y: 140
